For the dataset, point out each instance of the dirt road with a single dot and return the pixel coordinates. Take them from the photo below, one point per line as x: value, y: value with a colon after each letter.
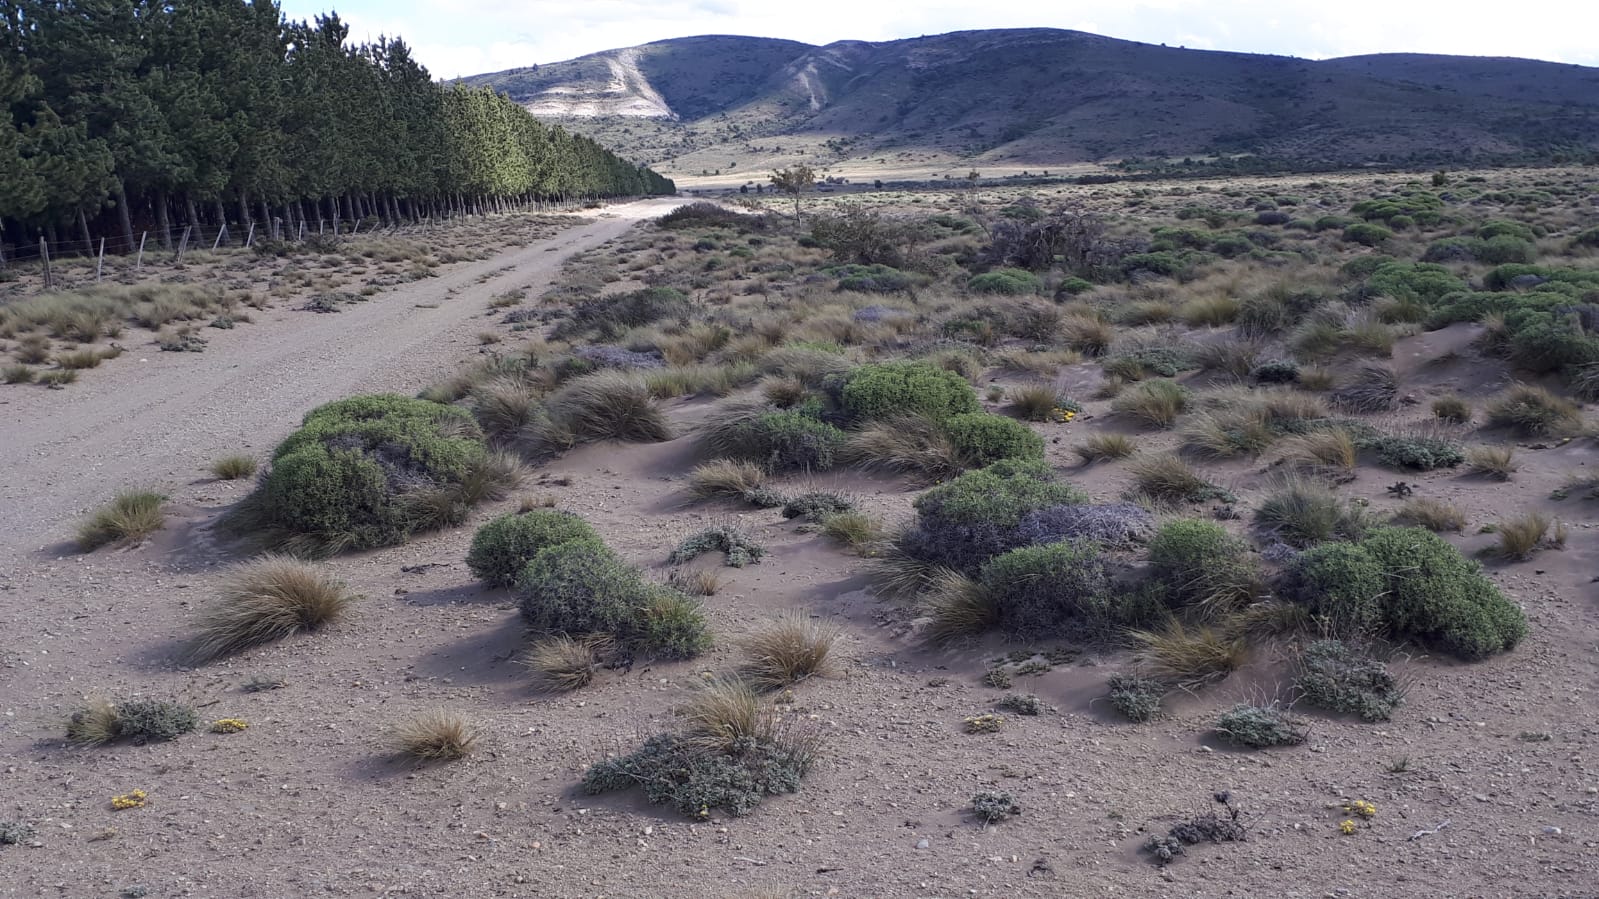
x: 159, y: 418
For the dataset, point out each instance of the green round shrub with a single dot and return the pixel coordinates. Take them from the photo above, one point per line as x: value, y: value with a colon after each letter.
x: 1367, y: 234
x: 1506, y: 248
x: 1058, y: 589
x: 343, y: 477
x: 983, y: 438
x: 887, y: 389
x: 1005, y: 281
x: 1199, y: 561
x: 580, y: 587
x: 668, y: 625
x: 1412, y: 584
x: 973, y: 518
x: 504, y: 546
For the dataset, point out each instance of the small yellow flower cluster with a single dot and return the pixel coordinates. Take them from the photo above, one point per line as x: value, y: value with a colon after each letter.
x: 1062, y: 415
x: 1347, y: 828
x: 1361, y: 808
x: 135, y: 799
x: 984, y: 724
x: 228, y: 725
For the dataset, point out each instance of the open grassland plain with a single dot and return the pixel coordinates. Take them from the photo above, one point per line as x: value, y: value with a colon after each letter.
x: 1170, y: 539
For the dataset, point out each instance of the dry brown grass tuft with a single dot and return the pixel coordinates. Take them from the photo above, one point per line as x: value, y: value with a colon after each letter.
x: 233, y: 468
x: 1496, y: 462
x: 1434, y: 515
x: 561, y: 664
x: 131, y: 515
x: 1035, y: 402
x: 1332, y: 449
x: 1190, y: 656
x: 695, y: 581
x: 1534, y: 412
x: 912, y: 444
x: 95, y: 724
x: 857, y: 530
x: 268, y: 599
x: 1520, y: 538
x: 1165, y: 478
x: 787, y: 651
x: 1157, y: 402
x: 1452, y: 409
x: 726, y: 714
x: 1227, y: 433
x: 1099, y: 447
x: 726, y: 478
x: 436, y: 735
x: 957, y: 606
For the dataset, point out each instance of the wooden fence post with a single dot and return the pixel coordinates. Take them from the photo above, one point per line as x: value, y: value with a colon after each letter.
x: 99, y: 264
x: 184, y: 243
x: 138, y: 264
x: 44, y: 252
x: 250, y: 236
x: 221, y: 233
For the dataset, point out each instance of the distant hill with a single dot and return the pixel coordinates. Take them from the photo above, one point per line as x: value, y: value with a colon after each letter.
x: 1042, y: 97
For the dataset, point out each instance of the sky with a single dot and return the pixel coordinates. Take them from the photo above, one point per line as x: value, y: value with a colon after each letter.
x: 468, y: 37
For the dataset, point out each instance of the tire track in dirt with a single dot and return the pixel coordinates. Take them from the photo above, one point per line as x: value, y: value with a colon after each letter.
x: 160, y: 418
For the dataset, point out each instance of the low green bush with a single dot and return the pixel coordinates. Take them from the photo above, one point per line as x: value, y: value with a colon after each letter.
x: 1259, y: 727
x: 889, y: 389
x: 1411, y: 583
x: 607, y: 317
x: 343, y: 480
x: 678, y: 771
x: 1006, y: 281
x: 982, y: 438
x: 1201, y: 563
x: 579, y: 587
x: 503, y: 547
x: 976, y: 516
x: 869, y: 278
x: 1057, y: 589
x: 1135, y: 696
x: 1367, y: 234
x: 1415, y: 453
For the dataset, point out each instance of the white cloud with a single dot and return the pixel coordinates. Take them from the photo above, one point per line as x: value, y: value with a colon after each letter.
x: 461, y: 37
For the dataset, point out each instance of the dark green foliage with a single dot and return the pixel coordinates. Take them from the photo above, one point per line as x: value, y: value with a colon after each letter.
x: 869, y: 278
x: 1006, y: 281
x: 982, y: 438
x: 343, y: 479
x: 1057, y: 589
x: 1412, y: 281
x: 1587, y: 238
x: 1543, y: 342
x: 991, y: 806
x: 1135, y: 696
x: 579, y: 587
x: 668, y: 624
x: 889, y: 389
x: 15, y: 833
x: 1259, y: 727
x: 609, y: 316
x: 779, y: 439
x: 976, y: 516
x: 815, y: 506
x: 1367, y: 234
x: 694, y: 779
x: 1199, y: 562
x: 1025, y: 704
x: 1412, y: 583
x: 504, y: 546
x: 1414, y: 453
x: 1335, y: 675
x: 1165, y: 361
x: 1514, y: 276
x: 709, y: 215
x: 153, y: 719
x: 1277, y: 371
x: 741, y: 548
x: 1500, y: 228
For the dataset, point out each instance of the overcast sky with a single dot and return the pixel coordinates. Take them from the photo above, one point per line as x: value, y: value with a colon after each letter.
x: 468, y: 37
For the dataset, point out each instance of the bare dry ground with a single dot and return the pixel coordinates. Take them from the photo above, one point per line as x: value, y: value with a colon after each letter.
x: 309, y: 800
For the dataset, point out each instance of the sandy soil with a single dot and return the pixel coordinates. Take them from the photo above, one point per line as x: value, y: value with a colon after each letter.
x: 307, y: 801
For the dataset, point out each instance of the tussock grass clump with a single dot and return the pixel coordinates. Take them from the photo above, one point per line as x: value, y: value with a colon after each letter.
x: 1374, y: 388
x: 81, y: 359
x: 1303, y: 513
x: 17, y: 374
x: 1189, y: 655
x: 1210, y: 311
x: 1531, y: 411
x: 1333, y: 449
x: 723, y: 714
x: 1099, y: 447
x: 1037, y: 402
x: 1166, y: 478
x: 436, y: 735
x: 139, y: 720
x: 1495, y: 462
x: 695, y: 581
x: 1205, y: 567
x: 730, y: 478
x: 131, y: 515
x: 1432, y: 514
x: 1520, y: 538
x: 1233, y: 357
x: 1234, y: 432
x: 787, y: 651
x: 233, y: 468
x: 560, y: 664
x: 1156, y: 402
x: 1259, y: 727
x: 1452, y: 409
x: 854, y: 529
x: 504, y: 406
x: 909, y: 444
x: 606, y: 405
x: 268, y: 599
x: 956, y: 606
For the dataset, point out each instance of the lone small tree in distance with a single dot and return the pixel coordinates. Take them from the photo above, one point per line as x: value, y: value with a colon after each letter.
x: 794, y: 182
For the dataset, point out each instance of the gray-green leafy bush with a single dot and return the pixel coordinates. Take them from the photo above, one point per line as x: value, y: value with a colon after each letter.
x: 1057, y: 589
x: 964, y: 523
x: 1335, y: 675
x: 1259, y: 727
x: 890, y: 389
x: 1201, y: 563
x: 1135, y: 696
x: 992, y: 806
x: 983, y: 439
x: 741, y: 549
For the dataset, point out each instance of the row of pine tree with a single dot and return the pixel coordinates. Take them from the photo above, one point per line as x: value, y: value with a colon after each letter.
x: 118, y: 115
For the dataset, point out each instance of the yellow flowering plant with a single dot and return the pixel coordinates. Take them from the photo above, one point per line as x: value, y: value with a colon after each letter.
x: 134, y: 799
x: 228, y: 725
